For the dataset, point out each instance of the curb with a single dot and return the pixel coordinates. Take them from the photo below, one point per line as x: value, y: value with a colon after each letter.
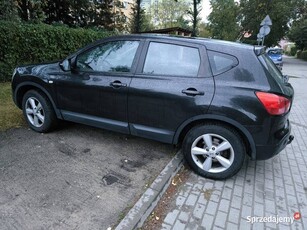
x: 136, y: 217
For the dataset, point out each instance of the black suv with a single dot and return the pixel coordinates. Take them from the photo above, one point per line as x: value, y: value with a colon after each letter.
x: 220, y: 100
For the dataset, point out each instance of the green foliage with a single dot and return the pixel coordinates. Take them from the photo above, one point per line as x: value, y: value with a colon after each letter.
x: 171, y: 14
x: 22, y: 43
x: 299, y: 54
x: 31, y: 10
x: 298, y: 34
x: 304, y: 55
x: 8, y: 10
x: 281, y: 12
x: 105, y: 14
x: 194, y: 14
x: 204, y: 31
x: 139, y: 21
x: 293, y: 51
x: 10, y: 115
x: 223, y: 22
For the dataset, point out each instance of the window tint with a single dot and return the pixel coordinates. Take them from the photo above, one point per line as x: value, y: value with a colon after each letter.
x: 271, y: 67
x: 221, y: 62
x: 114, y: 56
x: 275, y: 51
x: 167, y: 59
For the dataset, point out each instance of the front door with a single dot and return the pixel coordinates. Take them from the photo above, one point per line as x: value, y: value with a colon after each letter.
x: 95, y: 91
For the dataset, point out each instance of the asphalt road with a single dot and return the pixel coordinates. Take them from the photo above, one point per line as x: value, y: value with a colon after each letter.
x: 76, y: 177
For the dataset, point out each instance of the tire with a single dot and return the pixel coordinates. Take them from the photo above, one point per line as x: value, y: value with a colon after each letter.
x: 214, y: 151
x: 38, y: 112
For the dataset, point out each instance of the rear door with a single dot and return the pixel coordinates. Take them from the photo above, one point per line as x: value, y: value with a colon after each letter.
x: 172, y: 84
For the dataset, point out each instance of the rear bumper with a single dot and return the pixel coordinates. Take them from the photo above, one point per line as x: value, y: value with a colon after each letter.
x: 284, y: 138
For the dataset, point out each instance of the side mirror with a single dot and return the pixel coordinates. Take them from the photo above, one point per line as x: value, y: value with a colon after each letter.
x: 286, y: 78
x: 65, y: 65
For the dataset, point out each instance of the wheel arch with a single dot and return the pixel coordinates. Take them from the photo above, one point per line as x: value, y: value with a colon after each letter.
x: 192, y: 122
x: 24, y: 87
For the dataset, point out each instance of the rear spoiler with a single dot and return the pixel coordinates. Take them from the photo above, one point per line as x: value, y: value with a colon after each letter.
x: 259, y: 50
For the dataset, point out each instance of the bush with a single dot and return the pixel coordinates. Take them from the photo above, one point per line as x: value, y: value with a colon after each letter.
x: 22, y: 43
x: 304, y: 55
x: 299, y: 54
x: 293, y: 51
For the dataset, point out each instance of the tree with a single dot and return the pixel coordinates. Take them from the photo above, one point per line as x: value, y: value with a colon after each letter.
x: 281, y: 12
x: 59, y: 11
x: 223, y: 20
x: 298, y: 34
x: 103, y: 14
x: 136, y: 17
x: 141, y: 21
x: 171, y: 13
x: 298, y: 31
x: 30, y: 10
x: 194, y: 13
x: 203, y: 30
x: 8, y: 10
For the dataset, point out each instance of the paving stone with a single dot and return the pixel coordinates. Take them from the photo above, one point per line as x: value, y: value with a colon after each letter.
x: 232, y: 226
x: 234, y: 215
x: 236, y: 202
x: 179, y: 225
x: 224, y: 205
x: 198, y: 211
x: 211, y: 208
x: 180, y: 201
x: 171, y: 217
x: 184, y: 216
x: 191, y: 200
x: 207, y: 221
x: 220, y: 220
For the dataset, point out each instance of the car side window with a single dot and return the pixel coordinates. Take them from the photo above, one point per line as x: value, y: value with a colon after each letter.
x: 169, y: 59
x: 116, y: 56
x: 221, y: 62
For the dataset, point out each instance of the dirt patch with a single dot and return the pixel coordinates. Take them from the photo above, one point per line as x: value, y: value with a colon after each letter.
x: 155, y: 220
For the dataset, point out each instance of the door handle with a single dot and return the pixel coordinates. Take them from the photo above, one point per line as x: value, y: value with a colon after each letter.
x: 118, y: 84
x: 192, y: 92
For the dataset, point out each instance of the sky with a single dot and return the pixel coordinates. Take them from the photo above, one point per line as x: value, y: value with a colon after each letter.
x: 206, y: 10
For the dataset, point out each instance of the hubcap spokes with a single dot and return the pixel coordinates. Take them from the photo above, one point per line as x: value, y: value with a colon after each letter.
x: 35, y: 112
x: 212, y: 153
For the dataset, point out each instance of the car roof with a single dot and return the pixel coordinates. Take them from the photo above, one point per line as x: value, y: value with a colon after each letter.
x: 210, y: 43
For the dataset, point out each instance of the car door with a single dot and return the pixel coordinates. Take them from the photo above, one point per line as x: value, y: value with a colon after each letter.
x: 173, y: 83
x: 95, y: 91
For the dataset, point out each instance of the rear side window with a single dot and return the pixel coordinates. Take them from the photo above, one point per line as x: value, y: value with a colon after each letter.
x: 169, y: 59
x: 271, y: 67
x: 221, y: 62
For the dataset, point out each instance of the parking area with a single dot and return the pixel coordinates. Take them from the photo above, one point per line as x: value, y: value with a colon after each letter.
x: 76, y: 177
x: 269, y: 194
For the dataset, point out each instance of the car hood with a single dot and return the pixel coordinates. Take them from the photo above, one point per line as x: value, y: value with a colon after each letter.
x: 42, y: 69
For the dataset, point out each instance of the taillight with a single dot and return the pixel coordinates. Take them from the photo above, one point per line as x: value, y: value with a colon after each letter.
x: 274, y: 104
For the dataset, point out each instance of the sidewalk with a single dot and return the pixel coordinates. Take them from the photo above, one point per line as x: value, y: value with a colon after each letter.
x: 273, y: 188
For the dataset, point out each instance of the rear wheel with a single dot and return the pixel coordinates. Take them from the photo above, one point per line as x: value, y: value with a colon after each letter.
x: 214, y: 151
x: 38, y: 111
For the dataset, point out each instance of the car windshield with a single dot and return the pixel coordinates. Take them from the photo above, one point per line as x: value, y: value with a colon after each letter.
x: 275, y: 52
x: 271, y: 67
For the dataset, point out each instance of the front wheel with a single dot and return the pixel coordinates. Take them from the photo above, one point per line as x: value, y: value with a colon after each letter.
x: 38, y: 111
x: 214, y: 151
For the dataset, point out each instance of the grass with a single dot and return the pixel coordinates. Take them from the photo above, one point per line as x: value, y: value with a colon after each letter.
x: 10, y: 115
